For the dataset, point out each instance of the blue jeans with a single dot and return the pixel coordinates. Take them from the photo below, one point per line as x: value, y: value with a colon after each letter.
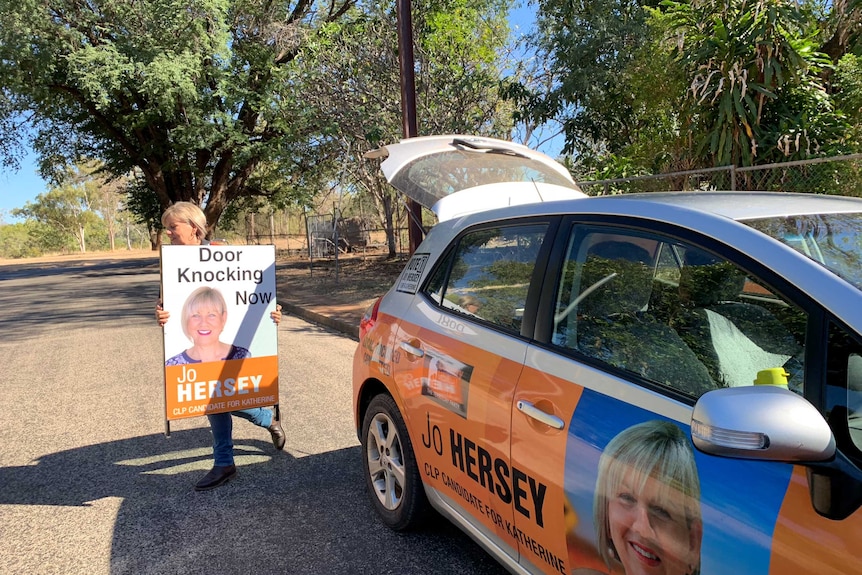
x: 222, y: 428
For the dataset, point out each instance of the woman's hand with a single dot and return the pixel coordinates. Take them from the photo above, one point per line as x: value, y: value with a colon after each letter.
x: 276, y: 315
x: 162, y: 315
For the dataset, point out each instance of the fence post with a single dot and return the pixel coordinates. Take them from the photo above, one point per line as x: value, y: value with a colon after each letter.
x: 272, y: 227
x: 733, y: 177
x: 335, y: 216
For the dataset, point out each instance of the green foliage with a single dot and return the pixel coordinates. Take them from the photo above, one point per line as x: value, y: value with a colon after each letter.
x: 144, y: 205
x: 591, y: 44
x: 644, y: 87
x: 197, y: 95
x: 64, y: 210
x: 19, y: 240
x: 742, y: 58
x: 350, y: 76
x: 85, y: 211
x: 847, y: 82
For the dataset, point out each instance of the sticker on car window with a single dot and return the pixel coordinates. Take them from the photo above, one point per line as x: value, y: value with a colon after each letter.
x: 409, y: 280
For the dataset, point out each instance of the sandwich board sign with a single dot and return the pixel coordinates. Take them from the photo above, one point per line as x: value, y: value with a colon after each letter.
x: 220, y: 343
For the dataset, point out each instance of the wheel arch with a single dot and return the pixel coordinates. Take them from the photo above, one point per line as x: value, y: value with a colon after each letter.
x: 370, y: 388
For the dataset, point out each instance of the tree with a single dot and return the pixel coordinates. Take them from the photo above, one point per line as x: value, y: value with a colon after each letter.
x: 106, y: 197
x: 590, y: 45
x: 18, y: 240
x: 352, y: 77
x: 196, y: 94
x: 147, y: 211
x: 754, y: 70
x: 64, y: 209
x: 646, y: 87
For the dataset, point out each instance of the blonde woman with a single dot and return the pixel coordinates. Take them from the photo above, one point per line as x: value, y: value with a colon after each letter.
x: 647, y: 503
x: 185, y: 224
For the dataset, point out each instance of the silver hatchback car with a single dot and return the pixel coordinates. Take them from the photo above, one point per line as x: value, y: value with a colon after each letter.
x: 661, y: 383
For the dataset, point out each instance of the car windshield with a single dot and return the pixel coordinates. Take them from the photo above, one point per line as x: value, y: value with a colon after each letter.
x: 832, y: 240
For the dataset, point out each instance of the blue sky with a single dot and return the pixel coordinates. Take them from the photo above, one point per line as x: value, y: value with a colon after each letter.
x: 22, y: 186
x: 18, y: 188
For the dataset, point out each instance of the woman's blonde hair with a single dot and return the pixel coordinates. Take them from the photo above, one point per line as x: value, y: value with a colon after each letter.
x: 189, y: 213
x: 653, y: 449
x: 200, y: 297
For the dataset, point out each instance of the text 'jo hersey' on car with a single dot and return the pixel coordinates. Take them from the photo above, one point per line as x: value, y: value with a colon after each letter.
x: 650, y: 383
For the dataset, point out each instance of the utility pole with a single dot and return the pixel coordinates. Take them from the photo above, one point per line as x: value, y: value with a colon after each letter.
x: 408, y: 107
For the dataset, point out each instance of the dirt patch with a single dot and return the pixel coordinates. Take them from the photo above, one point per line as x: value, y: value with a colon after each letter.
x: 341, y: 290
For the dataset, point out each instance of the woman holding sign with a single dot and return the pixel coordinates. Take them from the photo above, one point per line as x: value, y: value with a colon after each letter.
x: 204, y: 316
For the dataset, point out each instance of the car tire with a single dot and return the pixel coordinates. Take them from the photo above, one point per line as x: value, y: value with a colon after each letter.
x: 393, y: 480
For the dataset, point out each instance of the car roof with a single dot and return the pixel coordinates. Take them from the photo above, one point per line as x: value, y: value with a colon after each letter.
x: 751, y: 205
x: 739, y: 206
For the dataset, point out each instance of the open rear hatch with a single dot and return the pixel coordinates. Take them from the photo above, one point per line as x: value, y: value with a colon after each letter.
x: 456, y: 175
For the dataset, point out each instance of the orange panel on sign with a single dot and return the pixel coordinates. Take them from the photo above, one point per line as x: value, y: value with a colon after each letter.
x: 195, y: 389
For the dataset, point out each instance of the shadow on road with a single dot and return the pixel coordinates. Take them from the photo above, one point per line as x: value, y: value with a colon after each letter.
x: 280, y: 514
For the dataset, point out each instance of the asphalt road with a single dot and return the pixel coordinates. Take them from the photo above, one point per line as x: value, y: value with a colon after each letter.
x: 89, y: 483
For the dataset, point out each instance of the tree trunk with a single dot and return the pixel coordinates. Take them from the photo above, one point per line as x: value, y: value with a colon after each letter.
x: 155, y: 238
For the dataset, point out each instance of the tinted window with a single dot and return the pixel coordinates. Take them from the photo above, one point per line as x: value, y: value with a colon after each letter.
x: 673, y: 314
x: 487, y: 274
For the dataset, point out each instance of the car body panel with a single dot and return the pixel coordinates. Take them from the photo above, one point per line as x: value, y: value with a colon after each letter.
x: 464, y: 393
x: 805, y: 542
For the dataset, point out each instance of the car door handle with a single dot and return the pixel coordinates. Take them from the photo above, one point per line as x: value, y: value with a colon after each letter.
x: 412, y: 350
x: 531, y: 410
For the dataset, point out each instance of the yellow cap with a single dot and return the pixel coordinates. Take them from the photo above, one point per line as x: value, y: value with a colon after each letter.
x: 772, y: 376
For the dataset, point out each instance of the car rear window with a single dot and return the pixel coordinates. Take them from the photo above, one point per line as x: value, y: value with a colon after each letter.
x: 487, y: 274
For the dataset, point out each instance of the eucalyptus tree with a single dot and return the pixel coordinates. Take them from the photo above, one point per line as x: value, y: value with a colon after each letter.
x: 197, y: 95
x: 66, y: 211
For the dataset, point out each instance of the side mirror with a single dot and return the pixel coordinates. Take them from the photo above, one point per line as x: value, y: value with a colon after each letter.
x: 773, y: 424
x: 761, y: 422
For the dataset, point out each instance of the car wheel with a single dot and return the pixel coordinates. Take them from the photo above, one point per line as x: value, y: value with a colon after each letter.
x: 390, y: 466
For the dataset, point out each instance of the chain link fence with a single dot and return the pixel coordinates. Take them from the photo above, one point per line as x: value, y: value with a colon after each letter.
x: 838, y: 175
x: 319, y: 236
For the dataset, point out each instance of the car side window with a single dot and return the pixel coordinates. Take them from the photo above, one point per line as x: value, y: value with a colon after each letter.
x: 487, y: 274
x: 673, y: 314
